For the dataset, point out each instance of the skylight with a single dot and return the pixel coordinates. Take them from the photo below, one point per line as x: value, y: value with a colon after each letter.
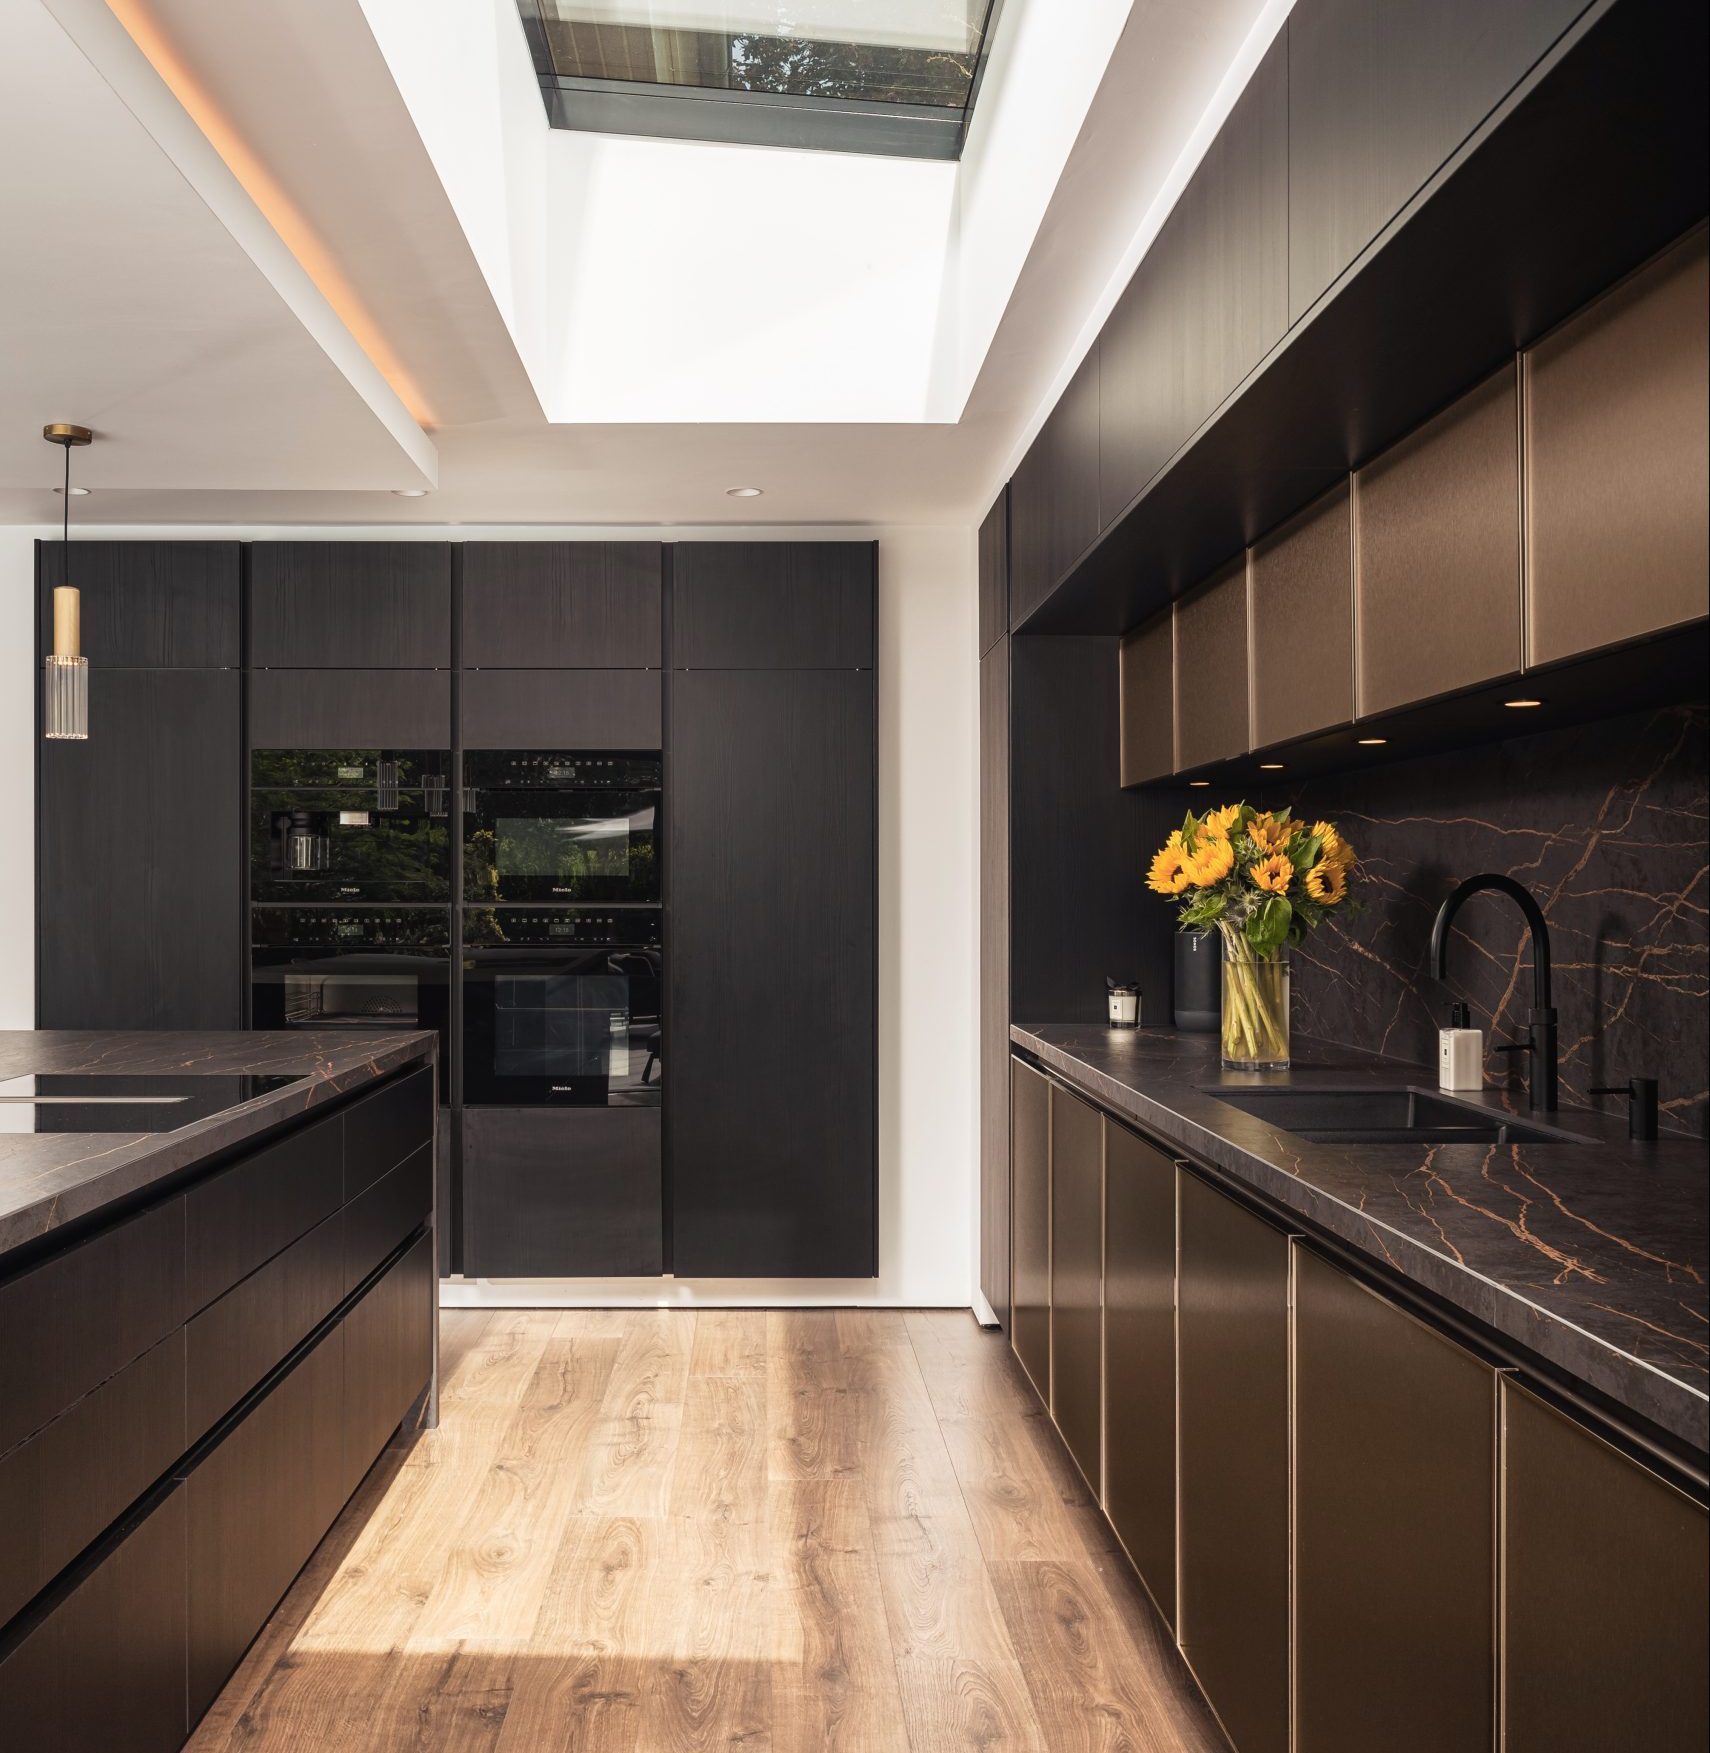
x: 893, y: 77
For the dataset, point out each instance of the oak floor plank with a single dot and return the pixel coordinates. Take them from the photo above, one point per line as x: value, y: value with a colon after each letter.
x: 674, y: 1531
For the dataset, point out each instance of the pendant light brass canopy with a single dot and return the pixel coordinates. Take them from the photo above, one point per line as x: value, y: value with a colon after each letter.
x: 65, y: 681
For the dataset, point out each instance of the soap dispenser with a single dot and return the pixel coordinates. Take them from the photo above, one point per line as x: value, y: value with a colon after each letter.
x: 1460, y: 1052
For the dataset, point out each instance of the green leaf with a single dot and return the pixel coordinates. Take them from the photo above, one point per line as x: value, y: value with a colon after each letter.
x: 1206, y: 908
x: 1267, y: 929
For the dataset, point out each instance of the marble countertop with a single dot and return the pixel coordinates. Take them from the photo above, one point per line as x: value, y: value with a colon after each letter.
x: 51, y: 1179
x: 1592, y: 1258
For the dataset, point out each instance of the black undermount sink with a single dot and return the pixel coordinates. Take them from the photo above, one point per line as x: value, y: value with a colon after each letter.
x: 1404, y: 1116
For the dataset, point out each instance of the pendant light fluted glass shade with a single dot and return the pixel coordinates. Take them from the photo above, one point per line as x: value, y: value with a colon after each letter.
x: 65, y: 699
x: 65, y: 676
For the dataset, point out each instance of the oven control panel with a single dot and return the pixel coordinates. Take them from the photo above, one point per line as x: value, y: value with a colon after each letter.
x: 538, y: 927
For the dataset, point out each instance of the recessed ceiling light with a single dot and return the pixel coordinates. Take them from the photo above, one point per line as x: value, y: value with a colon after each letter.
x: 1520, y: 703
x: 1199, y: 784
x: 1373, y: 742
x: 1270, y: 766
x: 410, y: 492
x: 76, y: 492
x: 743, y: 492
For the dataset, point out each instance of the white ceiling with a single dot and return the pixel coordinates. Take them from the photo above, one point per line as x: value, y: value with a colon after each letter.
x: 216, y: 404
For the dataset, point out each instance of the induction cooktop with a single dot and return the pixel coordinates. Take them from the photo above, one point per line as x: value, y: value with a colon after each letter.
x: 124, y: 1102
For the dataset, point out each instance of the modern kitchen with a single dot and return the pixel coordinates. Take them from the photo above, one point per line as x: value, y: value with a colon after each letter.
x: 856, y: 876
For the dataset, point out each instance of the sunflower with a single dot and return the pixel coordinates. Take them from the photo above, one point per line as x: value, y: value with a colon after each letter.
x: 1220, y: 821
x: 1327, y: 881
x: 1167, y: 875
x: 1332, y: 848
x: 1270, y: 835
x: 1274, y: 873
x: 1210, y: 862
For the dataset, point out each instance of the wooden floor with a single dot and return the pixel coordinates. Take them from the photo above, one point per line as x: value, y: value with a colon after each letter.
x: 657, y: 1532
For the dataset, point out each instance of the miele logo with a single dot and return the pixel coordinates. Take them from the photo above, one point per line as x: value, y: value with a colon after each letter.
x: 563, y: 1089
x: 562, y: 889
x: 350, y: 889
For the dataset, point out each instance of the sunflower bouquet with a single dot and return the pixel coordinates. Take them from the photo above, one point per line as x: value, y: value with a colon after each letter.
x: 1263, y: 880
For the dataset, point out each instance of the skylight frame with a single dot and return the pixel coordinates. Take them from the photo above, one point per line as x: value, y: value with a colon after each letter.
x: 754, y: 118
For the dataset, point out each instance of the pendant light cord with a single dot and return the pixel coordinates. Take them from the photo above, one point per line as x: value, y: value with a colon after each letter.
x: 65, y: 511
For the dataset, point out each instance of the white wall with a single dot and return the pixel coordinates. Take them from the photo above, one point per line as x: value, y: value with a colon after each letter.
x: 928, y: 930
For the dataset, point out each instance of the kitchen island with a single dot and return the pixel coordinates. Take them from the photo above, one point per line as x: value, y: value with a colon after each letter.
x: 217, y: 1305
x: 1402, y: 1424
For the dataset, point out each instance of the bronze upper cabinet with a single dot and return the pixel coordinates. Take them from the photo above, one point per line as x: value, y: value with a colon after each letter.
x: 1053, y: 499
x: 1617, y: 458
x: 1140, y: 1357
x: 1030, y: 1205
x: 562, y: 605
x: 1209, y: 298
x: 1148, y: 675
x: 1394, y: 1527
x: 350, y: 605
x: 1211, y: 669
x: 1437, y: 553
x: 1303, y: 624
x: 994, y: 573
x: 1380, y: 93
x: 1233, y: 1420
x: 1077, y: 1279
x: 1606, y: 1576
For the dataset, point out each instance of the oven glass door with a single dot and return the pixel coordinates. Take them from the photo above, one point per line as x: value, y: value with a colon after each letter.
x: 361, y: 990
x: 561, y: 1027
x: 549, y: 845
x: 342, y: 845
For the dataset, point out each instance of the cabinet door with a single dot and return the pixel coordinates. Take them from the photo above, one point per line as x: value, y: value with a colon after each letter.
x: 562, y: 605
x: 562, y: 1193
x: 994, y: 573
x: 1606, y: 1574
x: 1437, y: 553
x: 1053, y: 500
x: 1148, y: 682
x: 562, y: 709
x: 350, y: 709
x: 1232, y: 1619
x: 1140, y: 1357
x: 388, y: 1358
x: 1030, y: 1188
x: 1211, y: 669
x: 1394, y: 1527
x: 994, y: 979
x: 1617, y: 458
x: 139, y: 869
x: 770, y: 985
x: 258, y: 1504
x: 349, y: 605
x: 773, y: 605
x: 1381, y: 92
x: 1208, y: 300
x: 103, y: 1672
x: 1077, y: 1280
x: 150, y: 605
x: 1303, y: 623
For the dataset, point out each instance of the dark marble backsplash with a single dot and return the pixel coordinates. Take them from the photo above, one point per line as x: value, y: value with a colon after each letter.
x: 1606, y: 825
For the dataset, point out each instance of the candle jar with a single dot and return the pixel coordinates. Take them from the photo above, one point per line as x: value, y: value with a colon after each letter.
x: 1124, y: 1004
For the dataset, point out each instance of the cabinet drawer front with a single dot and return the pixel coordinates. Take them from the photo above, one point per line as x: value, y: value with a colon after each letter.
x: 257, y: 1507
x: 388, y: 1357
x: 235, y: 1342
x: 104, y: 1671
x: 60, y: 1489
x: 384, y: 1128
x: 240, y: 1218
x: 79, y: 1317
x: 379, y: 1218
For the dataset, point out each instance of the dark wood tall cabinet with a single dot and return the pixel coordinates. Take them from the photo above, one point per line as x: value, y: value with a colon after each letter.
x: 138, y: 883
x: 771, y: 1014
x: 1030, y: 1199
x: 1077, y: 1281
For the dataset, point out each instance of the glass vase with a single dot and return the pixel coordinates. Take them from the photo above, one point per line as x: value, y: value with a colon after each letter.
x: 1255, y: 1007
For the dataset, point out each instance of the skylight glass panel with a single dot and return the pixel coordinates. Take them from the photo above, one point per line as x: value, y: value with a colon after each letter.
x: 894, y: 76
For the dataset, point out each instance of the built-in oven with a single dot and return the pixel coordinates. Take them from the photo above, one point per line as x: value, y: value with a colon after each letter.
x: 355, y: 969
x: 558, y: 828
x: 561, y: 1006
x: 350, y: 825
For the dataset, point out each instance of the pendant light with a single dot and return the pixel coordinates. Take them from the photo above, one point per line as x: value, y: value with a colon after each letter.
x: 65, y: 686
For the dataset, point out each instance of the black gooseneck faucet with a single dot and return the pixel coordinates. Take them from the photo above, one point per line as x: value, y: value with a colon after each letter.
x: 1540, y: 1042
